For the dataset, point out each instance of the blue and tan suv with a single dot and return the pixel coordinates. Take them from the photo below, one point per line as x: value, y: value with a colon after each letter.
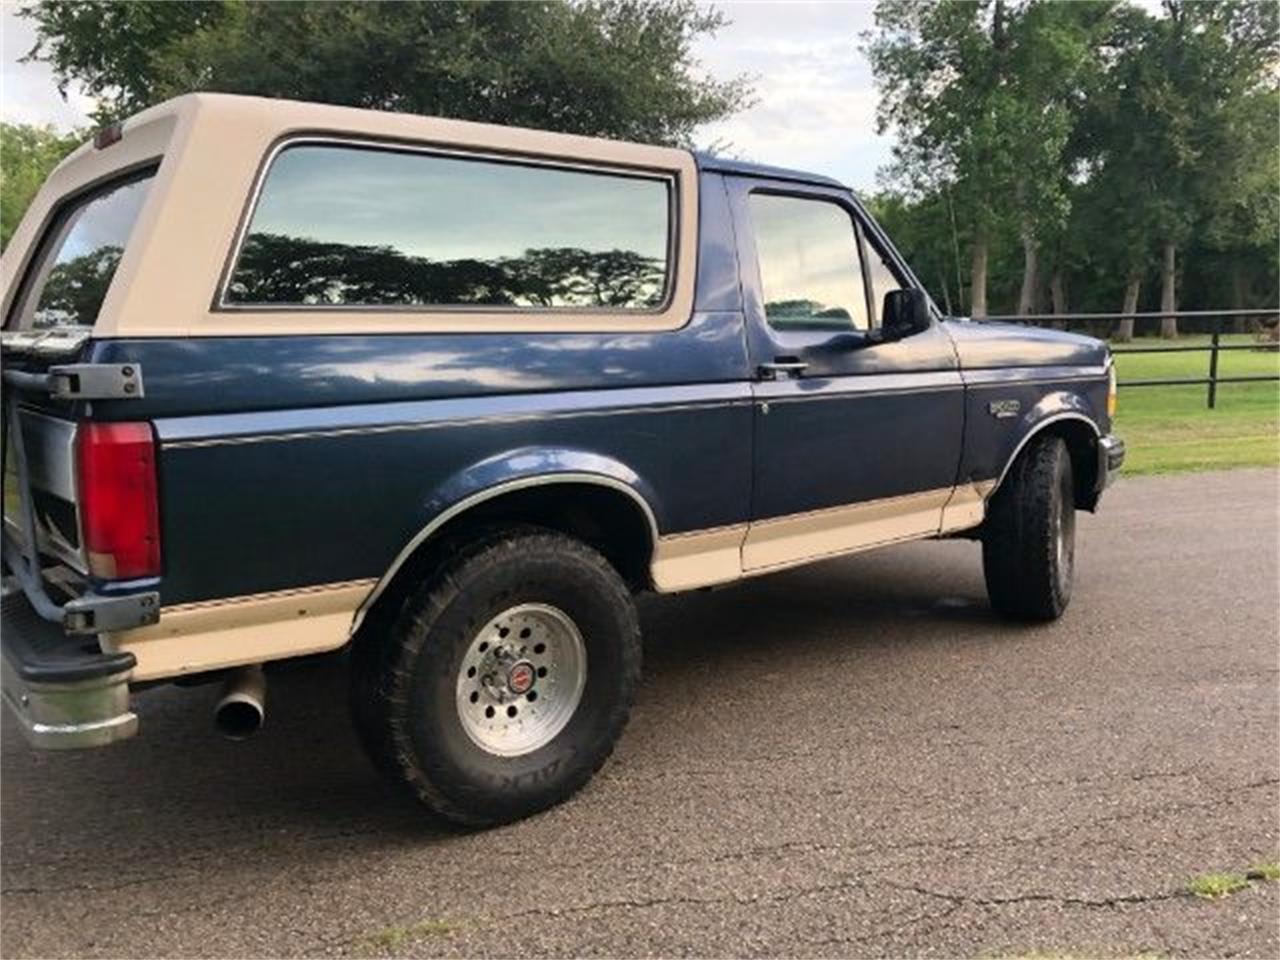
x: 283, y: 378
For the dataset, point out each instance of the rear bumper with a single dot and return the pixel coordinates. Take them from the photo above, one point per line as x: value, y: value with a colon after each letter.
x: 63, y: 691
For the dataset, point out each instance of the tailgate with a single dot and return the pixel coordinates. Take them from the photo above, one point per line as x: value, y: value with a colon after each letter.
x: 42, y: 525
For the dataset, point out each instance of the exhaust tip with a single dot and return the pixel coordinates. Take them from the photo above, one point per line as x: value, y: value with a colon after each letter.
x: 242, y: 707
x: 238, y: 719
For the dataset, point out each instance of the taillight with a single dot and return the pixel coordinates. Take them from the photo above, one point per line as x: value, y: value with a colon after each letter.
x: 119, y: 508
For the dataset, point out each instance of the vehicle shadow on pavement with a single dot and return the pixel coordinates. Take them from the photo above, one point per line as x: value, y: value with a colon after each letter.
x: 882, y: 599
x: 304, y: 777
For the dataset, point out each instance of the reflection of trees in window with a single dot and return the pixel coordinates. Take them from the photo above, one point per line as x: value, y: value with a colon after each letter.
x: 274, y: 268
x: 808, y: 313
x: 75, y: 289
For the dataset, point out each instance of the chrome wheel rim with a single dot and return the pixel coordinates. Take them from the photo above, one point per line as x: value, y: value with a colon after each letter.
x: 1064, y: 528
x: 521, y: 679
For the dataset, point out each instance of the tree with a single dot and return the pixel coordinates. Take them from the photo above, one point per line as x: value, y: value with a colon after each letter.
x: 1119, y: 204
x: 276, y: 268
x: 1239, y: 226
x: 981, y: 95
x: 935, y: 65
x: 1178, y: 130
x: 617, y: 68
x: 927, y: 235
x: 1051, y: 70
x: 1094, y: 140
x: 76, y: 287
x: 27, y: 155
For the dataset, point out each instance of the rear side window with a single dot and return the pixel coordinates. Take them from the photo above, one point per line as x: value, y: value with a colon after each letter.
x: 364, y: 226
x: 79, y: 256
x: 809, y: 265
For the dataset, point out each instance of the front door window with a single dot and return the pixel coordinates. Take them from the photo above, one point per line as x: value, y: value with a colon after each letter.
x: 809, y: 265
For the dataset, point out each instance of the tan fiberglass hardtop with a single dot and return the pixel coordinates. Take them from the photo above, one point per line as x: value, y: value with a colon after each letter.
x: 211, y: 150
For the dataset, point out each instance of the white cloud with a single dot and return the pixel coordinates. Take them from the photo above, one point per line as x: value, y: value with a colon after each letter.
x: 816, y: 101
x: 28, y: 91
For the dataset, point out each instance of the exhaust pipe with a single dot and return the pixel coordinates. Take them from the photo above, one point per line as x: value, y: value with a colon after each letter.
x: 242, y: 706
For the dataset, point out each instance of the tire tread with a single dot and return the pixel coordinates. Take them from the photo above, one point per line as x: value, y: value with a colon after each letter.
x: 383, y: 668
x: 1018, y: 549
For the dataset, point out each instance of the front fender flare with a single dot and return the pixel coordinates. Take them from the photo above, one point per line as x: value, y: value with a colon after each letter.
x: 1057, y: 407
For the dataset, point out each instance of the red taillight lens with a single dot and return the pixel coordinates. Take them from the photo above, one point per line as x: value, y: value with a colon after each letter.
x: 119, y: 509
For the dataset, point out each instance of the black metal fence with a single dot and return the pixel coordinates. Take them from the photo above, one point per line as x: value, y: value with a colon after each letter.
x: 1264, y: 341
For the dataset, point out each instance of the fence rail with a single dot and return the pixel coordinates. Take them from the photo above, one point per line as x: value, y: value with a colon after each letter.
x: 1214, y: 347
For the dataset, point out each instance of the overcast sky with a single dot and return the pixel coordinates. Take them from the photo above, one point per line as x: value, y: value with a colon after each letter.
x: 815, y: 109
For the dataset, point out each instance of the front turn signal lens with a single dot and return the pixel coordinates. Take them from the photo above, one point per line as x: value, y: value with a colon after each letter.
x: 1112, y: 396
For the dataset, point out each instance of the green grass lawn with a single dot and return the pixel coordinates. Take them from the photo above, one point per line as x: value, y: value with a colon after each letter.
x: 1169, y: 428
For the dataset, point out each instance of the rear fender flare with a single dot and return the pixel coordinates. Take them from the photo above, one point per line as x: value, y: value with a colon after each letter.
x: 510, y: 472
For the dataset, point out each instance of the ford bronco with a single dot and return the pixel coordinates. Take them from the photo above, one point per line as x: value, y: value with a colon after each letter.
x: 284, y: 378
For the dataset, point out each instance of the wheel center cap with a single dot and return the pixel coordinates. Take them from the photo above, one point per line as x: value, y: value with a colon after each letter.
x: 520, y: 677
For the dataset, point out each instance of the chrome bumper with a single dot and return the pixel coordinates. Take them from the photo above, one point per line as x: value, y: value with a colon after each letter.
x: 1110, y: 459
x: 62, y: 691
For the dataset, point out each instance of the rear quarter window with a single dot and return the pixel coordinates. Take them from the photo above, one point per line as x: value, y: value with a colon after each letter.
x: 348, y: 225
x: 78, y: 256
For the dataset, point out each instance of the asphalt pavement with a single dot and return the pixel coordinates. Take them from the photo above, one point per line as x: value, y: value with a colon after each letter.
x: 850, y: 759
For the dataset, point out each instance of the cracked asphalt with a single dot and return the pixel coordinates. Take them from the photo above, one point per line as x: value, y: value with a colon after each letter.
x: 854, y: 758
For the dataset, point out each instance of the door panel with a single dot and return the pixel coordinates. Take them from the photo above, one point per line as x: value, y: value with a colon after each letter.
x: 861, y: 444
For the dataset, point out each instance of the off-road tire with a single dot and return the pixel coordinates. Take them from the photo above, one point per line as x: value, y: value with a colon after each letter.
x: 403, y: 680
x: 1028, y: 539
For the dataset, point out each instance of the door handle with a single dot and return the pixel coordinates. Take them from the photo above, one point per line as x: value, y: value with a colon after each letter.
x: 783, y: 366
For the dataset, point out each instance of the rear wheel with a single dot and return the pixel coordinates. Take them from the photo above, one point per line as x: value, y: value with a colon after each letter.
x: 1028, y: 541
x: 506, y: 679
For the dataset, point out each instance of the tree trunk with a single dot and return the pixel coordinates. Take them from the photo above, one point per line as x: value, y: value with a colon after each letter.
x: 1058, y: 296
x: 1168, y: 291
x: 978, y: 279
x: 946, y: 293
x: 1124, y: 332
x: 1058, y: 292
x: 1238, y: 296
x: 1027, y: 296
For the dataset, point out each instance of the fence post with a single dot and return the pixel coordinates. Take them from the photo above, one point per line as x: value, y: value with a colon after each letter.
x: 1213, y: 362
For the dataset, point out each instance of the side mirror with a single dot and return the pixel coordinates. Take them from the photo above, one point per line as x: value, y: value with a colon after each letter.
x: 906, y: 313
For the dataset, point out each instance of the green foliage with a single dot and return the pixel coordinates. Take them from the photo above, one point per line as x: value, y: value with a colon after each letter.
x: 27, y: 155
x: 617, y: 68
x: 275, y: 268
x: 394, y: 939
x: 983, y: 97
x: 928, y: 235
x: 1089, y: 133
x: 1264, y: 871
x: 1210, y: 886
x: 75, y: 289
x: 109, y: 47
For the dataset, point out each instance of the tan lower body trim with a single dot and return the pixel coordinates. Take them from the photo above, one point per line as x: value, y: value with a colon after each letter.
x: 705, y: 558
x: 783, y: 541
x: 198, y: 637
x: 686, y: 561
x: 195, y: 637
x: 967, y: 507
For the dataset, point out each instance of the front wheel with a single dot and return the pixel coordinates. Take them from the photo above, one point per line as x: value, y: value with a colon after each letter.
x: 1028, y: 540
x: 506, y: 679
